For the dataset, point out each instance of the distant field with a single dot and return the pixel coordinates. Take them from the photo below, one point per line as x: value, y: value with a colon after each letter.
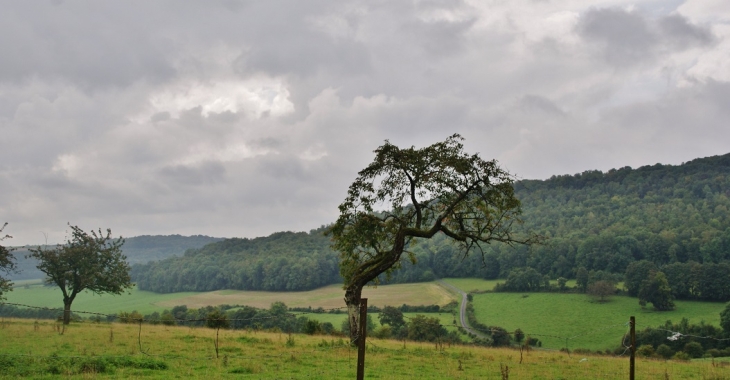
x: 147, y: 302
x: 46, y: 296
x: 327, y: 297
x: 477, y: 284
x: 594, y: 325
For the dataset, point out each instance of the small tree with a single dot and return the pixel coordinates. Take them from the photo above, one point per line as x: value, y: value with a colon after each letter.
x: 7, y: 264
x: 601, y: 290
x: 581, y: 279
x: 217, y: 320
x: 436, y: 189
x: 725, y: 319
x: 655, y: 290
x: 390, y: 315
x: 88, y: 261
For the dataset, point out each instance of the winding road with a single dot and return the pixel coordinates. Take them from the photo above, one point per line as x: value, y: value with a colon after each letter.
x: 462, y: 308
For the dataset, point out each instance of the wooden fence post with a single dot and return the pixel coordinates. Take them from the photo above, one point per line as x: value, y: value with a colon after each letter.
x: 632, y: 334
x: 363, y: 333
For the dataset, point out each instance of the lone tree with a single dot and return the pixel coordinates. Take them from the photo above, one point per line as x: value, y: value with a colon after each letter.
x: 88, y: 261
x: 601, y: 290
x: 7, y: 264
x: 436, y: 189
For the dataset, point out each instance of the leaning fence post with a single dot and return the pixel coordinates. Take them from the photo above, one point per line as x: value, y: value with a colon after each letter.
x: 361, y: 341
x: 632, y: 334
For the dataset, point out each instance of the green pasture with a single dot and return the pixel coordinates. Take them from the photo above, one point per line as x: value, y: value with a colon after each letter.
x: 33, y: 293
x: 478, y: 285
x: 552, y: 317
x: 122, y: 351
x: 50, y: 297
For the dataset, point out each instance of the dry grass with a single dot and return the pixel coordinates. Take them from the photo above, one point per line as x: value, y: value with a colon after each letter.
x: 327, y: 297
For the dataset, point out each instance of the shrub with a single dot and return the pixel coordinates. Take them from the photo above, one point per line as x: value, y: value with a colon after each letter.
x: 681, y: 355
x: 694, y: 349
x: 645, y: 350
x: 664, y: 351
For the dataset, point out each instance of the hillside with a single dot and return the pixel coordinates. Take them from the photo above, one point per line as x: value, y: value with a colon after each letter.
x: 599, y: 221
x: 138, y: 249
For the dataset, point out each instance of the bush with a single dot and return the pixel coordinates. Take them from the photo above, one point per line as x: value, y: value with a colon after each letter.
x: 645, y: 350
x: 664, y: 351
x: 694, y: 349
x: 311, y: 327
x: 681, y: 356
x: 383, y: 332
x: 713, y: 353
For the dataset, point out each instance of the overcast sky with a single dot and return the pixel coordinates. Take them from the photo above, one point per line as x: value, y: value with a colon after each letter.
x: 241, y: 118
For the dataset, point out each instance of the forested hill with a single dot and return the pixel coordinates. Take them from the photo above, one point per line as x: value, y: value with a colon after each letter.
x: 599, y: 221
x: 138, y: 249
x: 281, y: 261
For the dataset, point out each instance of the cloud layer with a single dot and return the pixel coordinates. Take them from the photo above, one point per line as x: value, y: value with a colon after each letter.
x: 238, y: 118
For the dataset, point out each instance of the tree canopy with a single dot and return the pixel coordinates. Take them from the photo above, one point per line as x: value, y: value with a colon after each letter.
x: 88, y: 261
x: 7, y: 264
x: 408, y: 194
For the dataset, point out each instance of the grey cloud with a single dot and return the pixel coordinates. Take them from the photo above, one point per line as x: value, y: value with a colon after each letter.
x: 680, y: 33
x: 625, y: 36
x: 542, y: 104
x: 630, y: 37
x: 201, y: 174
x: 79, y: 81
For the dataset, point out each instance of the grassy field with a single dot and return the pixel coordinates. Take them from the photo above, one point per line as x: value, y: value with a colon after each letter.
x: 46, y: 296
x: 331, y: 296
x: 589, y: 324
x: 479, y: 285
x: 114, y: 351
x: 34, y: 294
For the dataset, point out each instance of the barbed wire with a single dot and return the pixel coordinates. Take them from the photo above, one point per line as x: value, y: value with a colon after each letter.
x: 676, y: 334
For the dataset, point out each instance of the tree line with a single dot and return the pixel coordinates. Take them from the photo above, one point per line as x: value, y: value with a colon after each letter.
x: 675, y: 217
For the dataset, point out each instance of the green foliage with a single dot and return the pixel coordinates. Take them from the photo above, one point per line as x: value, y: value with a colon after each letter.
x: 390, y: 315
x: 519, y: 335
x: 425, y: 329
x: 217, y: 319
x: 436, y: 189
x: 284, y: 261
x: 655, y: 290
x: 725, y: 319
x: 693, y: 339
x: 601, y: 290
x: 88, y: 261
x: 311, y: 327
x: 636, y: 273
x: 523, y: 280
x: 664, y: 351
x: 645, y: 350
x: 7, y: 264
x: 694, y: 349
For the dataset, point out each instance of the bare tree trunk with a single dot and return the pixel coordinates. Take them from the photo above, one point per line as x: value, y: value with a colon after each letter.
x: 353, y: 293
x: 67, y: 310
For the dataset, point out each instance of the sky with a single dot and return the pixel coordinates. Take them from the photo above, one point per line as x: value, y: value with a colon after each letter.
x: 242, y: 118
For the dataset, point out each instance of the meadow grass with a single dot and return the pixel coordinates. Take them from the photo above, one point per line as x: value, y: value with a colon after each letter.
x: 158, y: 352
x: 50, y: 297
x: 589, y: 324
